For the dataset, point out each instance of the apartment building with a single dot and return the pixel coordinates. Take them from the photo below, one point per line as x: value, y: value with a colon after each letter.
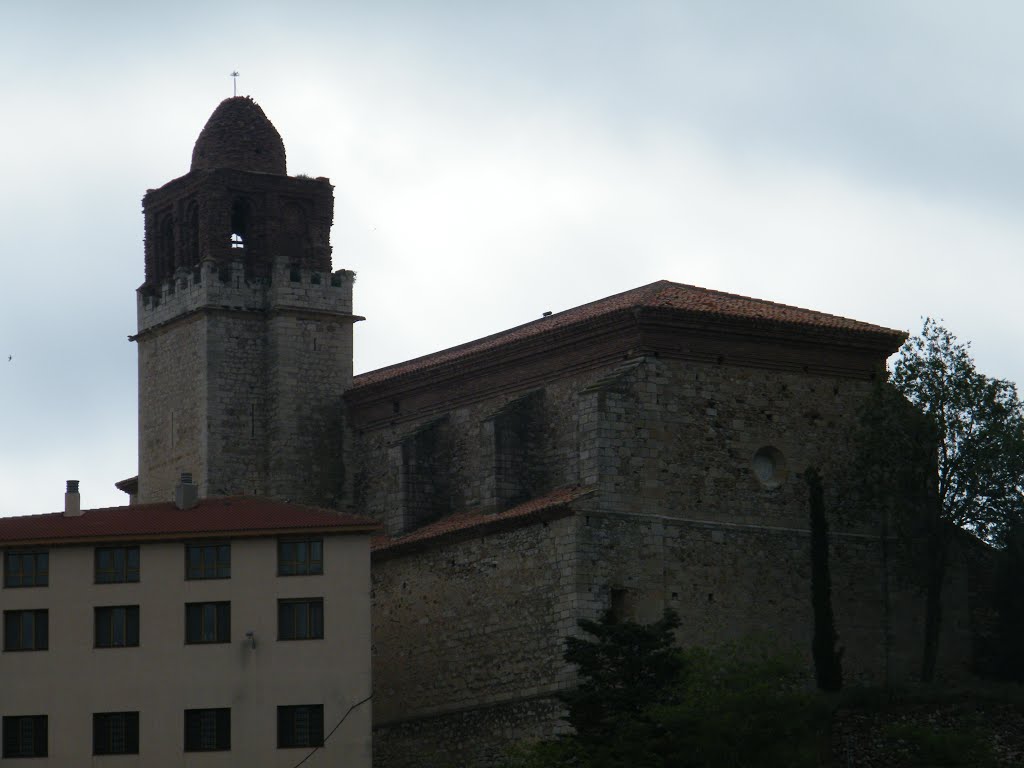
x: 204, y: 632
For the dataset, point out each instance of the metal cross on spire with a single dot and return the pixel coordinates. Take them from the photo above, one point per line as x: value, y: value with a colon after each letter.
x: 234, y: 82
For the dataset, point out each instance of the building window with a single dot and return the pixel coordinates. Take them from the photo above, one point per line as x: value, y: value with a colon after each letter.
x: 26, y: 569
x: 208, y: 622
x: 424, y: 477
x: 117, y: 626
x: 25, y: 736
x: 115, y: 733
x: 300, y: 557
x: 300, y: 726
x: 208, y: 561
x: 116, y: 565
x: 520, y: 470
x: 300, y: 619
x: 207, y: 730
x: 26, y: 630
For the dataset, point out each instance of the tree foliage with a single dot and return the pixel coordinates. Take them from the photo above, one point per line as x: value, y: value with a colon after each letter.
x: 643, y: 704
x: 979, y: 425
x: 624, y: 668
x: 977, y: 473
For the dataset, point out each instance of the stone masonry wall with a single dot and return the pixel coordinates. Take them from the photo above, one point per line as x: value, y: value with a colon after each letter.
x: 681, y: 439
x: 731, y: 582
x: 470, y: 447
x: 310, y: 363
x: 472, y: 622
x: 660, y: 436
x: 251, y: 371
x: 481, y: 736
x: 700, y: 505
x: 172, y: 407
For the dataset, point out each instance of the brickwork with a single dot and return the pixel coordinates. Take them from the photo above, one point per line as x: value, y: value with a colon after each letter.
x: 275, y: 219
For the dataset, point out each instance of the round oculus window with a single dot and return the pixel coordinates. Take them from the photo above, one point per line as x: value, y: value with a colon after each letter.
x: 769, y: 466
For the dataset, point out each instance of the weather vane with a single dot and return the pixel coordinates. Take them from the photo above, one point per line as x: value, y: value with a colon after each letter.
x: 234, y: 83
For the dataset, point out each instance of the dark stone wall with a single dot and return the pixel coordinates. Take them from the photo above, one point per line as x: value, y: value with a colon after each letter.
x: 700, y: 505
x: 481, y: 736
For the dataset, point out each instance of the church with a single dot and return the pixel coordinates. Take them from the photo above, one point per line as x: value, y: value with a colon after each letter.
x: 641, y: 452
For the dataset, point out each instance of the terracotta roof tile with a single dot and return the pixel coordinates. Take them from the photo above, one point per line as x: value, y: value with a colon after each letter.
x: 534, y: 510
x: 219, y: 516
x: 685, y: 299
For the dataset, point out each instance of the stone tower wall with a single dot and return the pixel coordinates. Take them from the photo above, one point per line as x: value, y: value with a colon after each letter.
x: 172, y: 365
x: 241, y: 365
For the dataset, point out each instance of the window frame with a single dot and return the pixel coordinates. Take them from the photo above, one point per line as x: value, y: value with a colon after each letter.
x: 286, y: 726
x: 203, y: 574
x: 22, y: 553
x: 222, y: 729
x: 109, y: 611
x: 125, y: 576
x: 311, y: 619
x: 38, y: 723
x: 304, y: 566
x: 102, y: 731
x: 221, y: 617
x: 38, y: 644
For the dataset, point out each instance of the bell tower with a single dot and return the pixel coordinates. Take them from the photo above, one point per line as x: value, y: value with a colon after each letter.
x: 244, y: 332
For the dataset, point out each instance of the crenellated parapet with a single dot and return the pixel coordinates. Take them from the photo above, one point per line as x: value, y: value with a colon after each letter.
x: 214, y: 286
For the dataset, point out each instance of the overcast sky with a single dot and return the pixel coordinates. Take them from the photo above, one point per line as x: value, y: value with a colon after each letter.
x: 496, y: 160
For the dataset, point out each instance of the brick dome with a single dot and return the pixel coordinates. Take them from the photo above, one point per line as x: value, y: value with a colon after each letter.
x: 238, y: 135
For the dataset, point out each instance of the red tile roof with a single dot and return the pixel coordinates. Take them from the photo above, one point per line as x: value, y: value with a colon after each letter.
x: 687, y: 300
x: 220, y: 516
x: 546, y: 507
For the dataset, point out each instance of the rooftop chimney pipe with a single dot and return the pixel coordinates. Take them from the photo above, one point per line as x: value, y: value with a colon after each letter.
x: 186, y: 493
x: 72, y: 501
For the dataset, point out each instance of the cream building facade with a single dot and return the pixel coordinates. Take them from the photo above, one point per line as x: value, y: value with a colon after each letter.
x: 235, y: 631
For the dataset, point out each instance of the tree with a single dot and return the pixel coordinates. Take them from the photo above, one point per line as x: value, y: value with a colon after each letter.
x: 979, y: 427
x: 624, y: 669
x: 641, y: 703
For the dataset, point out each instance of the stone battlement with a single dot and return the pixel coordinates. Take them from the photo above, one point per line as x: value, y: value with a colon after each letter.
x: 228, y: 287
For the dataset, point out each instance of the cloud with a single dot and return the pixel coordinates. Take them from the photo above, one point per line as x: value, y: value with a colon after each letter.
x: 494, y: 162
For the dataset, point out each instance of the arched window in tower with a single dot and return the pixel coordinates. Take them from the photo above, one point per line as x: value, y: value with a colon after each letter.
x: 165, y: 247
x: 295, y: 240
x: 240, y: 223
x: 192, y: 235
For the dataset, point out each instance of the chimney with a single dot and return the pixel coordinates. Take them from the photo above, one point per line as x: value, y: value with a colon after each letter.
x: 72, y: 501
x: 186, y: 493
